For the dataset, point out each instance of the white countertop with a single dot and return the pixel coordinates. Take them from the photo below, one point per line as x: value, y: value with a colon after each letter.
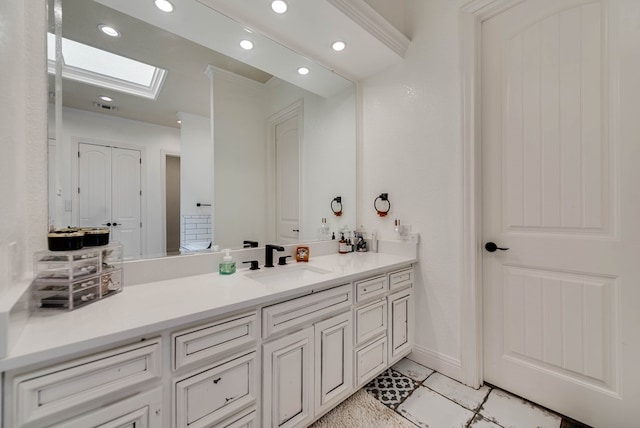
x: 148, y: 309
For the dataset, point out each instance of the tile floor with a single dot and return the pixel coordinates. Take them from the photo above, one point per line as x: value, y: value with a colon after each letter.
x: 432, y: 400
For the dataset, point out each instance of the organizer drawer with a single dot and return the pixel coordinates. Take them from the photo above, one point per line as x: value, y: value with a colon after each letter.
x: 371, y: 288
x: 303, y: 310
x: 370, y: 360
x: 209, y: 340
x: 209, y: 396
x: 371, y: 320
x: 401, y: 279
x: 65, y: 387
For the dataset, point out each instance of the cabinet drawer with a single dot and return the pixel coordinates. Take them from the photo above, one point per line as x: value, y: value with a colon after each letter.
x: 69, y: 386
x: 304, y: 310
x: 401, y: 279
x: 209, y: 340
x: 371, y: 360
x: 142, y: 410
x: 371, y: 288
x: 216, y: 393
x: 246, y: 419
x: 371, y: 321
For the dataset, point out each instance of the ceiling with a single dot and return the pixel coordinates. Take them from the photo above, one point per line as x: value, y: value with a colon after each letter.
x: 198, y: 36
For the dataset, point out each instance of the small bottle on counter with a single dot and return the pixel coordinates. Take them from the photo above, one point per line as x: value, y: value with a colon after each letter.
x: 342, y: 245
x: 227, y: 266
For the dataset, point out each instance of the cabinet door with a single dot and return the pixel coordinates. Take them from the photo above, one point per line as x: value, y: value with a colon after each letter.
x: 288, y: 380
x: 333, y: 361
x: 400, y: 327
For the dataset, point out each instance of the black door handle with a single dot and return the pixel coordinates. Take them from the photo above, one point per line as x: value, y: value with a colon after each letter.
x: 115, y: 224
x: 491, y: 247
x: 106, y: 224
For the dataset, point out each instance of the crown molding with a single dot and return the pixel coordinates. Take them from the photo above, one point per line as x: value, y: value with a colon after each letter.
x: 372, y: 22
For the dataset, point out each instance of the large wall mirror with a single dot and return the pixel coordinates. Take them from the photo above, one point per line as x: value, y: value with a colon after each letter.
x: 178, y: 139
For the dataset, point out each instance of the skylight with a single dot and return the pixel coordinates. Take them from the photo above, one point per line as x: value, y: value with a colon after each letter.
x: 96, y: 67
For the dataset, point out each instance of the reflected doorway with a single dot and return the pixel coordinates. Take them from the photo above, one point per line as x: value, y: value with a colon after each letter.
x: 172, y: 204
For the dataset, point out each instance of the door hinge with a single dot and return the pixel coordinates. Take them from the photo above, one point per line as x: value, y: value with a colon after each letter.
x: 78, y: 153
x: 78, y: 190
x: 140, y: 224
x: 141, y: 193
x: 140, y: 161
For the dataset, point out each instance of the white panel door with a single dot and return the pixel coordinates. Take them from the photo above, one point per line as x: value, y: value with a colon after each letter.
x: 109, y: 193
x: 94, y: 185
x: 560, y: 96
x: 126, y: 197
x: 287, y: 181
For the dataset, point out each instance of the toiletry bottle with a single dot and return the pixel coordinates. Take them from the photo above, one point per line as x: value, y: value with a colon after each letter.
x: 323, y: 232
x: 227, y: 266
x: 342, y: 245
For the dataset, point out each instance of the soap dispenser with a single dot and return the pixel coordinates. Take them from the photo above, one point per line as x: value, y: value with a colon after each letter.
x: 227, y: 266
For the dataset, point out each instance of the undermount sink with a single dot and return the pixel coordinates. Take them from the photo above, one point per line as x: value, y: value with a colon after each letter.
x: 298, y: 273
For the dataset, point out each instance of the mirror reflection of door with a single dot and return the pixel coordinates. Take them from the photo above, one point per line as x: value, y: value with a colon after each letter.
x: 287, y: 148
x: 110, y: 193
x: 172, y: 203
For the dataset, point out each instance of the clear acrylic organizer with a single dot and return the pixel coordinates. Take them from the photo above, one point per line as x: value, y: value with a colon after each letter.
x: 67, y: 280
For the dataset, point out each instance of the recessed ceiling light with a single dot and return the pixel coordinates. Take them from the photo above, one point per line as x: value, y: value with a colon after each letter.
x: 338, y: 46
x: 164, y: 5
x: 303, y: 71
x: 246, y: 44
x: 279, y: 6
x: 109, y: 31
x: 105, y: 98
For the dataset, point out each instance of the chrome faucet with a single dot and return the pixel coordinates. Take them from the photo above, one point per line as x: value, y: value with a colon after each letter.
x: 268, y: 255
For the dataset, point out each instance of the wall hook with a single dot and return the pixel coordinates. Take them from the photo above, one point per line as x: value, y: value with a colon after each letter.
x: 381, y: 211
x: 336, y: 206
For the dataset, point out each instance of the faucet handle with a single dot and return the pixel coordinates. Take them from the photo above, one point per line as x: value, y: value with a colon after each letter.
x: 254, y: 264
x: 283, y: 260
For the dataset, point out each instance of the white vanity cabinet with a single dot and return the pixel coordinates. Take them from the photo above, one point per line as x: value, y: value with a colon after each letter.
x: 216, y: 372
x: 276, y: 362
x: 78, y: 390
x: 310, y: 370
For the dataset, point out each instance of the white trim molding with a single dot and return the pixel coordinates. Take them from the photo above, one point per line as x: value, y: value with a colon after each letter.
x: 436, y: 361
x: 472, y: 14
x: 371, y: 21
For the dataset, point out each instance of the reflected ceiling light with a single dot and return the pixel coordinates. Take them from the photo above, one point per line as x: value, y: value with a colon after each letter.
x: 279, y: 6
x: 338, y: 46
x: 246, y: 44
x: 164, y: 5
x: 303, y: 71
x: 105, y: 98
x: 109, y: 31
x: 179, y: 122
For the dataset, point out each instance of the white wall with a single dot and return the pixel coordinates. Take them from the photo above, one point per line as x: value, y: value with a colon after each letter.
x: 411, y: 148
x: 196, y: 158
x: 23, y: 138
x: 328, y: 155
x: 240, y: 166
x: 97, y: 128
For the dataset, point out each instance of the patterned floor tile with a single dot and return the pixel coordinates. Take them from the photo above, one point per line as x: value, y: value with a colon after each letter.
x: 391, y: 388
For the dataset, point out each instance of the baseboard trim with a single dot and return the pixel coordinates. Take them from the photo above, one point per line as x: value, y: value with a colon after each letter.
x: 442, y: 363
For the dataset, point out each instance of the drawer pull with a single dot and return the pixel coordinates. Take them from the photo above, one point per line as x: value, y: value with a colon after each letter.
x: 226, y: 400
x: 217, y: 380
x: 365, y: 290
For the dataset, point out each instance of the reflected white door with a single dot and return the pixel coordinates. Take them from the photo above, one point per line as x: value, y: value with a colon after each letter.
x: 560, y: 96
x: 287, y: 142
x: 109, y: 193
